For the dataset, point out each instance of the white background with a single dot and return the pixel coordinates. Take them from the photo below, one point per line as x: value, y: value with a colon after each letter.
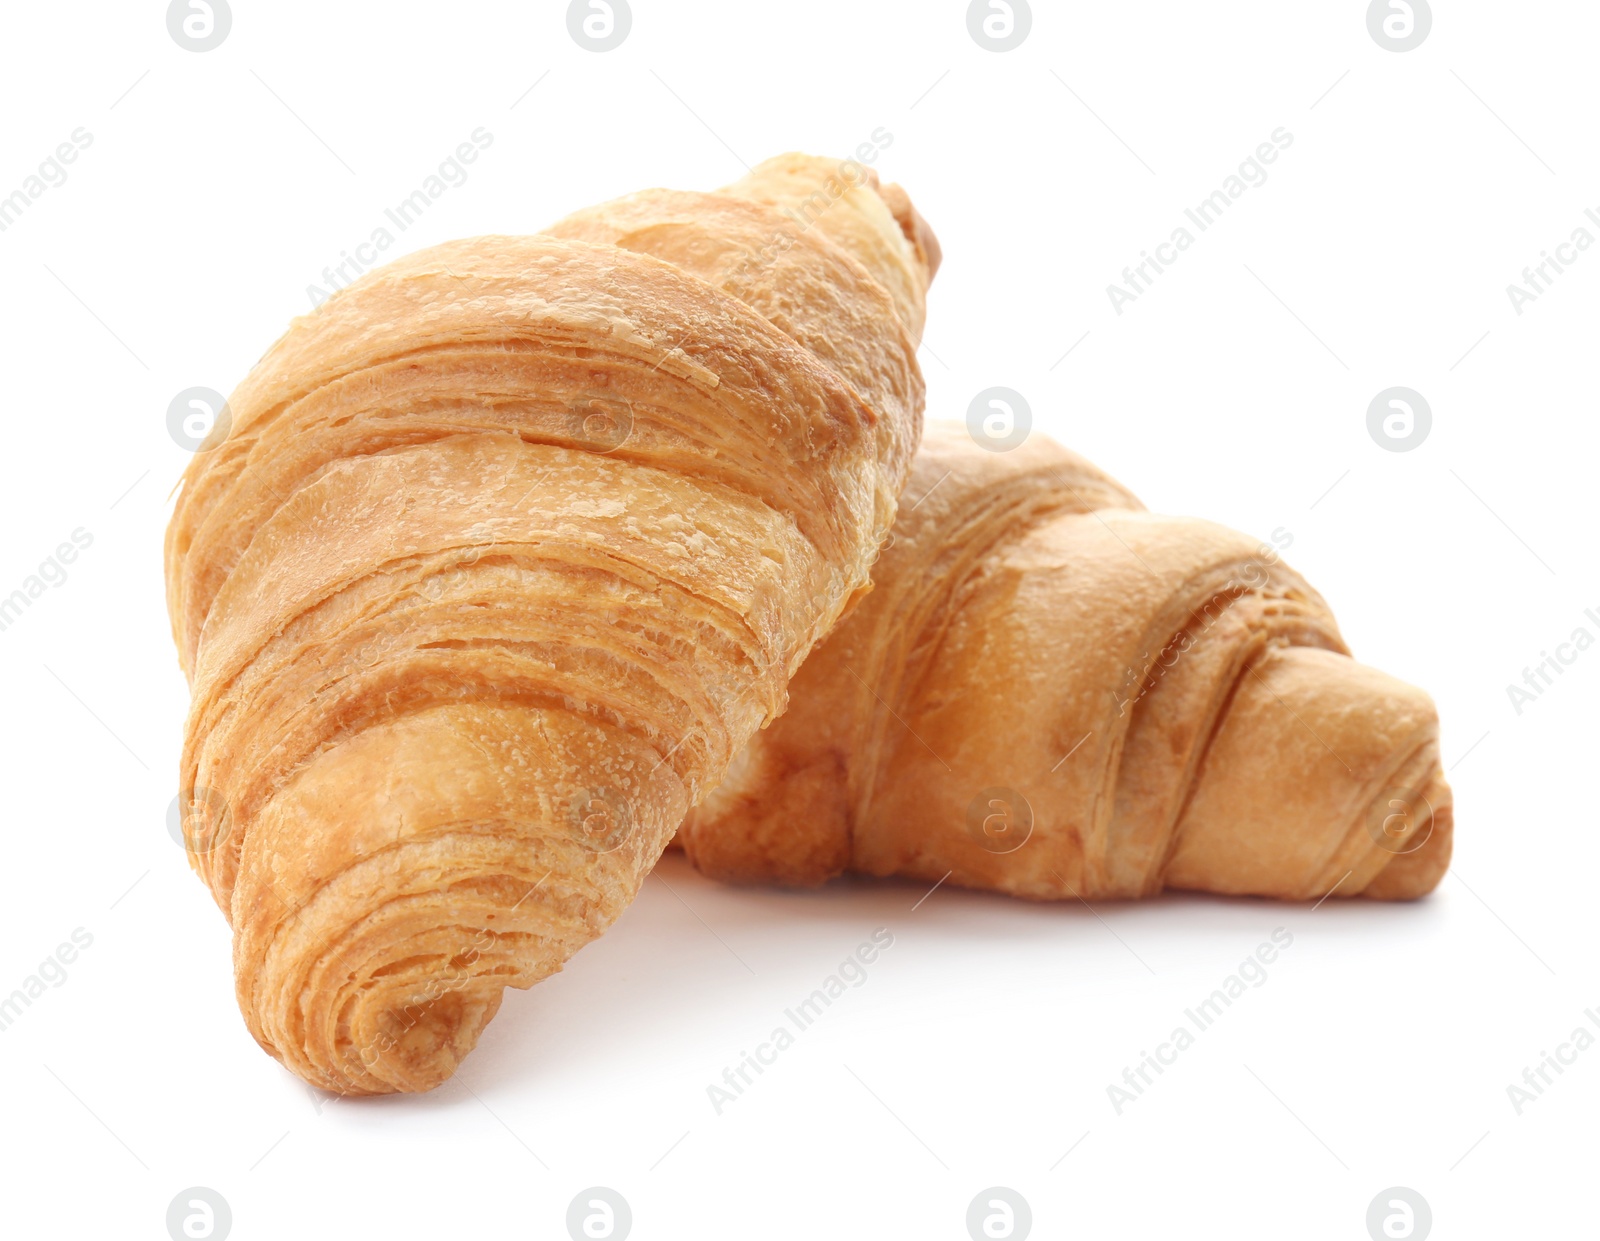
x: 1418, y: 186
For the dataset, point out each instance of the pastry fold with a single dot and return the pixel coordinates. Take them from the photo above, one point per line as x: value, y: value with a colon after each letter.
x: 511, y: 546
x: 1056, y: 694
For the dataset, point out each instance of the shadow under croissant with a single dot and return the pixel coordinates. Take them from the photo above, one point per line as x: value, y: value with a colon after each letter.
x: 722, y: 939
x: 579, y: 1013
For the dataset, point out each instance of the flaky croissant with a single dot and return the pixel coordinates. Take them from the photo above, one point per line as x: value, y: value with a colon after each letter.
x: 511, y: 547
x: 1055, y: 694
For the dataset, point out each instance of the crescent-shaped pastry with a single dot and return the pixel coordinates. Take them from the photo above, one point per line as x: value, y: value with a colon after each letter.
x: 512, y: 545
x: 1056, y: 694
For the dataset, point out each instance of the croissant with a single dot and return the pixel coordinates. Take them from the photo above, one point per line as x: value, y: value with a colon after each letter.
x: 1055, y: 694
x: 508, y: 549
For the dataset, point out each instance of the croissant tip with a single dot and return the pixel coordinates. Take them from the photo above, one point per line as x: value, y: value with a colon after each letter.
x: 428, y: 1053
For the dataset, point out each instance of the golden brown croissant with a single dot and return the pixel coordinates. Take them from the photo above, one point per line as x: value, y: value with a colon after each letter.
x: 512, y: 545
x: 1053, y: 693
